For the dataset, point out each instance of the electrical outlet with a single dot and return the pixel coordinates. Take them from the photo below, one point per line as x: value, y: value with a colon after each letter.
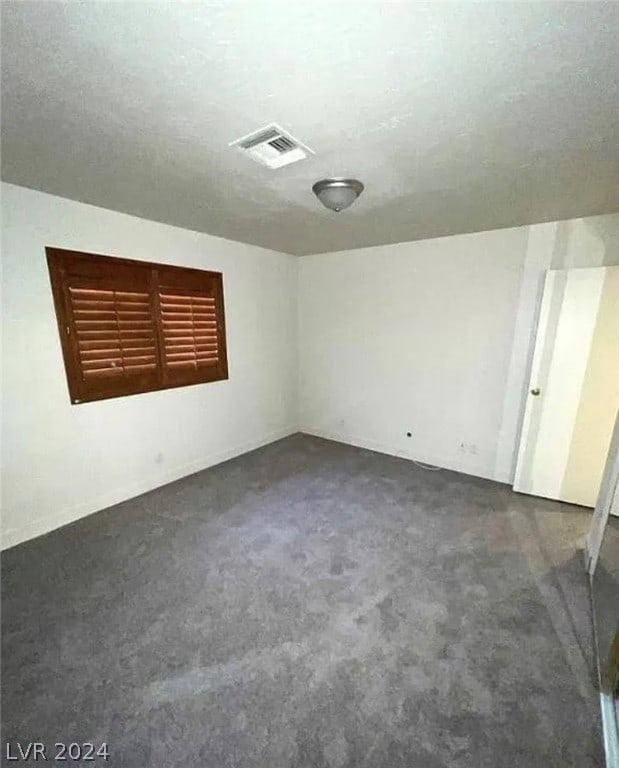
x: 470, y: 448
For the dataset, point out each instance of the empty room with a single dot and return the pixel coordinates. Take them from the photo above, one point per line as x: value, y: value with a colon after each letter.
x: 310, y: 384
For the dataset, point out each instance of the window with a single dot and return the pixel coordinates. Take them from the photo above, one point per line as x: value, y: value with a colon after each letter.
x: 133, y: 326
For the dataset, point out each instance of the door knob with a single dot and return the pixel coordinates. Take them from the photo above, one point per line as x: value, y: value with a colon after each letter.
x: 535, y: 391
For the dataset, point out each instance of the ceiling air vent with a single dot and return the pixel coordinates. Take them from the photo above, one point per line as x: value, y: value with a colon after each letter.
x: 272, y: 146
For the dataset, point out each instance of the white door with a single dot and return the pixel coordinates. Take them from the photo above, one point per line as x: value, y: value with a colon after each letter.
x: 573, y: 394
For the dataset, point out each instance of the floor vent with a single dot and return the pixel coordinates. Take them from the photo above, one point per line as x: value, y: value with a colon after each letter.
x: 272, y: 146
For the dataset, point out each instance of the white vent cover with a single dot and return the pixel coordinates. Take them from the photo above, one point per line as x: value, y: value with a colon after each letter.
x: 272, y: 146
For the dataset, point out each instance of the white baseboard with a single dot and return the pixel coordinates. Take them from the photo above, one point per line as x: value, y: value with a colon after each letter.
x: 13, y: 536
x: 373, y: 445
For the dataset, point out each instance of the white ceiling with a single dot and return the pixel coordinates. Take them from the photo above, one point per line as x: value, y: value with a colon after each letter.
x: 457, y: 117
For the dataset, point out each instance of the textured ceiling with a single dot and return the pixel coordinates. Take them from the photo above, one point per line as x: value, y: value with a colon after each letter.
x: 456, y: 116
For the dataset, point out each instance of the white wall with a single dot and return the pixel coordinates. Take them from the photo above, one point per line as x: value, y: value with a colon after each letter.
x: 62, y: 461
x: 433, y: 337
x: 586, y: 242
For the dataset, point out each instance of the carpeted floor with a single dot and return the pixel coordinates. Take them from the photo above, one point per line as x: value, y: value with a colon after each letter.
x: 308, y: 605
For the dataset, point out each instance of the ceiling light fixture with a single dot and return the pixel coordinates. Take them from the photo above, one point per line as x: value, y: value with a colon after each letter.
x: 337, y: 194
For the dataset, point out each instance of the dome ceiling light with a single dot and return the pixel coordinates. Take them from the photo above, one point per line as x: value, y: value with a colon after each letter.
x: 337, y: 194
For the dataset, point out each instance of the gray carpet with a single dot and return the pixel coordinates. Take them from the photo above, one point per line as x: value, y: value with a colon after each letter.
x: 308, y: 605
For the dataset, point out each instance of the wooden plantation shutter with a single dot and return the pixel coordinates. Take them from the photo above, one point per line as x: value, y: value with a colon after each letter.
x: 114, y: 330
x: 129, y: 326
x: 106, y: 323
x: 192, y: 327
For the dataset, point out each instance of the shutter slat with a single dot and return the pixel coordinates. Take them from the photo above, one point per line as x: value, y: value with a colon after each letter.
x: 106, y: 314
x: 136, y: 333
x: 185, y: 332
x: 92, y: 337
x: 190, y: 364
x: 107, y: 294
x: 118, y: 351
x: 176, y: 340
x: 189, y: 315
x: 100, y: 373
x: 109, y: 305
x: 180, y: 347
x: 188, y: 299
x: 95, y: 303
x: 191, y: 355
x: 138, y: 360
x: 107, y: 325
x: 86, y: 345
x: 100, y: 354
x: 116, y: 361
x: 119, y: 371
x: 189, y: 323
x: 169, y: 307
x: 131, y: 351
x: 102, y: 343
x: 81, y: 316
